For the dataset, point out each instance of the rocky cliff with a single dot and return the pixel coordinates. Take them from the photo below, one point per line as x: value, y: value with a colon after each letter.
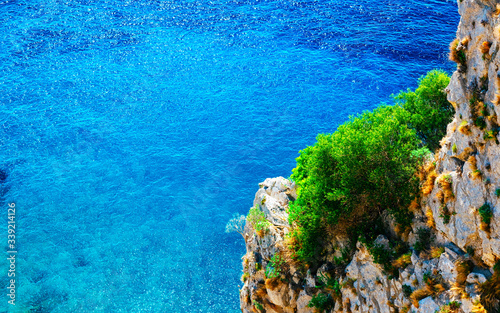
x: 455, y: 236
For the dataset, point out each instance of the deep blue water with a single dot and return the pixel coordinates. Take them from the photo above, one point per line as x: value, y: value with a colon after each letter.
x: 132, y: 130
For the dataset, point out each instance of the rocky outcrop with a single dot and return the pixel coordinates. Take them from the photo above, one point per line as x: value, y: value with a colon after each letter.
x: 460, y: 210
x: 365, y: 285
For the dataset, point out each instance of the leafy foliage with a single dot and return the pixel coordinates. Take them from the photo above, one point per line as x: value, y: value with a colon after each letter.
x: 275, y: 266
x: 321, y: 302
x: 430, y: 111
x: 330, y: 284
x: 348, y: 178
x: 486, y: 213
x: 407, y: 290
x: 257, y: 220
x: 364, y: 167
x: 424, y: 239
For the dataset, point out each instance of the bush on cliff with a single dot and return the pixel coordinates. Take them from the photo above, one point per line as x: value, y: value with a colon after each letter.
x: 364, y: 168
x: 429, y: 109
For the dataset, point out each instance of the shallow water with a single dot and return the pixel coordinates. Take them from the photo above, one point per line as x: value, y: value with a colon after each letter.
x: 133, y: 130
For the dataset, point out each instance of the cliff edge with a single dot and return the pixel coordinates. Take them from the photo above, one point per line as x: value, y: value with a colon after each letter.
x: 452, y: 263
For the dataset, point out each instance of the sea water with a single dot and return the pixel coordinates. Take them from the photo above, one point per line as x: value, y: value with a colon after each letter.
x: 132, y: 130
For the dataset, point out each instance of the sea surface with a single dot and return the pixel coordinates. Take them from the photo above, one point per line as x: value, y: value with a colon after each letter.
x: 132, y: 130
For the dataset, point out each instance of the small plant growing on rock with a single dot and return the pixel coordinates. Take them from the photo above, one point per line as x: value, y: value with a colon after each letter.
x: 321, y: 302
x: 436, y: 252
x: 258, y: 306
x: 451, y: 307
x: 424, y: 239
x: 258, y: 221
x: 480, y: 122
x: 407, y: 291
x: 258, y: 266
x: 430, y: 218
x: 403, y: 261
x: 497, y: 192
x: 486, y: 213
x: 490, y: 291
x: 329, y: 283
x: 445, y: 214
x: 275, y: 267
x: 464, y: 128
x: 457, y: 55
x: 446, y: 182
x: 429, y: 183
x: 489, y: 134
x: 454, y: 148
x: 349, y: 283
x: 244, y: 277
x: 485, y: 47
x: 432, y: 287
x: 476, y: 173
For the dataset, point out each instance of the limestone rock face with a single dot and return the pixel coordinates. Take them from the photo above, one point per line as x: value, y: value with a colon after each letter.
x: 272, y: 198
x: 474, y: 91
x: 469, y: 159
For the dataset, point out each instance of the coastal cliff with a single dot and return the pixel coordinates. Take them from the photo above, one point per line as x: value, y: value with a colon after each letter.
x: 454, y: 238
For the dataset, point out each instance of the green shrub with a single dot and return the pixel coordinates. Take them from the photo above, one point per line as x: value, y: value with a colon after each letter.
x: 424, y: 239
x: 257, y: 220
x: 367, y: 166
x: 480, y: 122
x: 430, y: 110
x: 486, y: 213
x: 407, y: 291
x: 497, y: 192
x: 330, y: 284
x: 258, y: 306
x: 445, y: 214
x: 258, y: 266
x: 274, y: 268
x: 321, y: 302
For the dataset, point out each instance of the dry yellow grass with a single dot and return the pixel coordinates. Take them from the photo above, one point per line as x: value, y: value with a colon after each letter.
x: 477, y: 307
x: 272, y: 283
x: 490, y: 292
x: 402, y: 261
x: 458, y: 291
x: 484, y: 227
x: 414, y: 206
x: 496, y: 101
x: 261, y: 291
x: 485, y: 47
x: 464, y: 129
x: 431, y: 288
x: 463, y: 270
x: 446, y: 183
x: 453, y: 56
x: 430, y: 218
x: 436, y: 252
x: 496, y: 13
x: 429, y: 183
x: 440, y: 196
x: 438, y: 288
x: 418, y: 295
x: 476, y: 173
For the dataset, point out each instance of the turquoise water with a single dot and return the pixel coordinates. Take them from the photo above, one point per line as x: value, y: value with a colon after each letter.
x: 133, y: 130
